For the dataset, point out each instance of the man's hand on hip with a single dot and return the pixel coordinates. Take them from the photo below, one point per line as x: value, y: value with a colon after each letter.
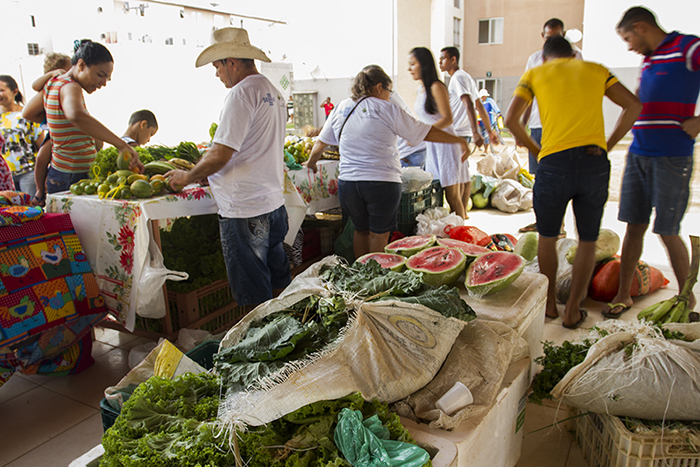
x: 692, y: 126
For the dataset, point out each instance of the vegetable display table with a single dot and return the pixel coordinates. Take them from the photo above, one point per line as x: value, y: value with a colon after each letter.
x: 319, y: 190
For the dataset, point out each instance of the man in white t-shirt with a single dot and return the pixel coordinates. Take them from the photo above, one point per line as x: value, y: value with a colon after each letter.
x: 245, y: 170
x: 464, y: 103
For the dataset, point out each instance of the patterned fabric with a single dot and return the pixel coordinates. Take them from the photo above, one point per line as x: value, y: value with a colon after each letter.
x: 668, y: 88
x: 13, y: 215
x: 49, y: 299
x: 14, y: 198
x: 21, y: 136
x: 6, y: 181
x: 73, y: 151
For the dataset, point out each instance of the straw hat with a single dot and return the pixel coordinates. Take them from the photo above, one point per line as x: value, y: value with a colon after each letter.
x: 230, y: 43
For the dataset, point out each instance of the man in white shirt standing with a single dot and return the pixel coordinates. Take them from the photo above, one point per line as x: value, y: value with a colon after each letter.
x: 531, y: 117
x: 245, y: 170
x: 464, y: 103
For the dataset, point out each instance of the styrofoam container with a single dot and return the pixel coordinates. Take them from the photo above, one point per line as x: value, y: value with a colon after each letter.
x: 521, y: 306
x: 496, y: 438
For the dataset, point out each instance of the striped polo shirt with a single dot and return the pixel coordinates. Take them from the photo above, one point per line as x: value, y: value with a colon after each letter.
x: 668, y: 88
x: 73, y: 151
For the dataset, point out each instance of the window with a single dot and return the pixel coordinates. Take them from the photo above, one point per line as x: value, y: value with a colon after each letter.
x: 491, y: 31
x: 33, y: 49
x: 129, y: 36
x: 184, y: 41
x: 457, y: 32
x: 33, y: 21
x: 457, y: 4
x: 169, y: 41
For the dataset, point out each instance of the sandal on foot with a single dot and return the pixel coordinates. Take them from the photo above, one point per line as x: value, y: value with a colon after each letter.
x: 584, y: 315
x: 612, y: 307
x: 529, y: 228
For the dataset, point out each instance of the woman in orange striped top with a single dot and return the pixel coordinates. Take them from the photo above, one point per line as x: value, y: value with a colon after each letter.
x: 73, y: 129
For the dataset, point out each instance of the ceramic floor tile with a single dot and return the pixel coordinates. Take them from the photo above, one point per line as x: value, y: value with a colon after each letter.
x: 88, y: 387
x: 544, y: 445
x: 66, y: 447
x: 14, y: 387
x: 136, y: 342
x: 34, y: 417
x: 100, y: 348
x: 113, y: 337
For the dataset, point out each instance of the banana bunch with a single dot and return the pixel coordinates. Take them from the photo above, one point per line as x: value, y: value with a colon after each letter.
x: 673, y: 310
x: 158, y: 167
x: 525, y: 178
x: 181, y: 164
x: 676, y: 309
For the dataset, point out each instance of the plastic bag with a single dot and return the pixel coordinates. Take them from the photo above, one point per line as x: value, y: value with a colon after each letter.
x: 466, y: 233
x: 367, y: 444
x: 150, y: 301
x: 433, y: 221
x: 503, y: 165
x: 511, y: 196
x: 415, y: 179
x: 484, y: 182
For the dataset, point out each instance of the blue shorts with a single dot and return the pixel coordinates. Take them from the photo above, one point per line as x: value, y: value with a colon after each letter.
x: 61, y: 181
x: 662, y: 183
x: 417, y: 159
x: 255, y: 259
x: 580, y: 174
x: 536, y: 134
x: 371, y: 205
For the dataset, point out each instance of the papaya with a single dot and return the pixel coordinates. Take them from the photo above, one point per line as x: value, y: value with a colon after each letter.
x: 123, y: 160
x: 158, y: 186
x: 125, y: 193
x: 176, y: 189
x: 124, y: 173
x: 157, y: 177
x: 141, y: 189
x: 112, y: 179
x: 132, y: 178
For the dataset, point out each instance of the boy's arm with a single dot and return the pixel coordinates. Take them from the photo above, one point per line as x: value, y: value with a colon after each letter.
x: 39, y: 83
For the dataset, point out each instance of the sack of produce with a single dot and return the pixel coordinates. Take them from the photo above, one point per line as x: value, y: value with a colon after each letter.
x: 323, y: 339
x: 606, y: 280
x: 636, y: 370
x: 511, y: 196
x: 433, y: 221
x: 479, y: 359
x: 415, y: 179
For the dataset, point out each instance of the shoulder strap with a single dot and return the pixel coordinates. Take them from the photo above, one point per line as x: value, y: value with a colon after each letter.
x: 346, y: 118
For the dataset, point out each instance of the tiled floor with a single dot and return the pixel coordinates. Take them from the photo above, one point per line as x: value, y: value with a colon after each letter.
x: 51, y: 421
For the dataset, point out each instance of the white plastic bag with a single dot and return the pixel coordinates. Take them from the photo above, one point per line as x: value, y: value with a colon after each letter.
x: 415, y: 179
x: 150, y: 301
x: 434, y: 220
x: 511, y: 196
x: 503, y: 165
x: 187, y: 339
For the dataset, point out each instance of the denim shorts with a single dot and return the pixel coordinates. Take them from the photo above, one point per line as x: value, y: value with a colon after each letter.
x: 61, y: 181
x: 371, y: 205
x: 580, y: 175
x: 536, y: 134
x: 255, y: 259
x: 417, y: 159
x: 662, y: 183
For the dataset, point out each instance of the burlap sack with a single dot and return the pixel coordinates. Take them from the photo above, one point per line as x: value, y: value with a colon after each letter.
x: 480, y: 356
x: 635, y: 373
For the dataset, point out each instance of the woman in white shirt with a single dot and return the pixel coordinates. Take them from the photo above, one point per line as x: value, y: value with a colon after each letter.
x: 365, y: 127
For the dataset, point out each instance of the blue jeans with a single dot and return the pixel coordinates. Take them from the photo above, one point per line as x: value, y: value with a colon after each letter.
x: 662, y: 183
x: 580, y: 174
x: 417, y: 159
x: 536, y: 134
x: 255, y: 259
x: 61, y: 181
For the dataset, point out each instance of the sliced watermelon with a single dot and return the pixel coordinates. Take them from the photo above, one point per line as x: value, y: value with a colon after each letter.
x: 439, y: 265
x: 409, y: 246
x: 492, y: 272
x: 385, y: 260
x: 469, y: 249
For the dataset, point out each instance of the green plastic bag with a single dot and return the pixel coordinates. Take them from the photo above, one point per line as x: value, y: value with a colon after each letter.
x: 367, y: 444
x: 291, y: 162
x: 343, y: 244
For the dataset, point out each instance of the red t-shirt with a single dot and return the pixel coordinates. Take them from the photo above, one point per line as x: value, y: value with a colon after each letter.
x: 328, y: 107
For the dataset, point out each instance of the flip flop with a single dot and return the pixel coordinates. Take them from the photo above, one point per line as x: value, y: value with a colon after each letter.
x: 584, y: 315
x: 529, y: 228
x: 612, y: 307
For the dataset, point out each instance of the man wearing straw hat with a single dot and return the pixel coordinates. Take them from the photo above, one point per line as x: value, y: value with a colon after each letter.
x: 245, y: 169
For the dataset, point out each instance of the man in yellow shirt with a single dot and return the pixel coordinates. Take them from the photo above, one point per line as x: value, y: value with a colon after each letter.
x: 572, y: 161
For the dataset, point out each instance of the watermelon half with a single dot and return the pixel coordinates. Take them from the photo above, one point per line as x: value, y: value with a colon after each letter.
x: 409, y: 246
x: 385, y: 260
x: 492, y: 272
x: 439, y: 265
x: 469, y: 249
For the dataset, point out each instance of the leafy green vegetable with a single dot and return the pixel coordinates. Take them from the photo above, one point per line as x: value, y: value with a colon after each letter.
x: 162, y: 152
x: 212, y: 130
x: 556, y: 362
x: 144, y: 155
x: 106, y: 159
x: 188, y: 151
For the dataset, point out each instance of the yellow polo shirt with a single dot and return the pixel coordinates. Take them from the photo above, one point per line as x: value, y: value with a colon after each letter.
x: 570, y: 97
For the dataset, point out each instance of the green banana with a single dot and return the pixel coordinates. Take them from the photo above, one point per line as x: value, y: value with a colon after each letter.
x: 158, y: 167
x: 648, y: 311
x: 674, y: 316
x: 662, y: 310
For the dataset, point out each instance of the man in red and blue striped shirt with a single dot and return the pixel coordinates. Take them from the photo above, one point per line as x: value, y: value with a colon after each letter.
x: 660, y: 159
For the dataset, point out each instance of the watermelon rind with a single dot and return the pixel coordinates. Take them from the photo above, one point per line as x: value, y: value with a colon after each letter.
x: 418, y: 262
x: 385, y: 260
x: 409, y: 246
x: 485, y: 264
x: 471, y: 250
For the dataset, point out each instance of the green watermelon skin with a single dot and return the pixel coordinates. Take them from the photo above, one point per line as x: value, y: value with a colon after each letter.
x: 409, y: 246
x: 438, y: 265
x: 493, y: 272
x: 469, y: 249
x: 385, y: 260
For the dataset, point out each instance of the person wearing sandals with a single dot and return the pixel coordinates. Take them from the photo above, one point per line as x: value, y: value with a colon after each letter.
x: 365, y: 127
x: 572, y: 161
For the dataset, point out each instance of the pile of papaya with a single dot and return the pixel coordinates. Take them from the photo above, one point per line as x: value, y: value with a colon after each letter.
x: 125, y: 184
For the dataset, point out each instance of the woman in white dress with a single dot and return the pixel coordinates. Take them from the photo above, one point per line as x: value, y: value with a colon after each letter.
x: 433, y: 107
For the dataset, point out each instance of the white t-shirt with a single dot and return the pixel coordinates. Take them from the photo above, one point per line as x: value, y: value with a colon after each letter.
x: 461, y: 83
x: 252, y: 123
x: 536, y: 59
x: 368, y: 149
x: 405, y: 149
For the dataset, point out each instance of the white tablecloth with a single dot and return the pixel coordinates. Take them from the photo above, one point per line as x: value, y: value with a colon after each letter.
x: 319, y: 190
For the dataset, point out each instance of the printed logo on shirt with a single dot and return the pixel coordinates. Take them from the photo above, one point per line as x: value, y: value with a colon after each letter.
x: 269, y: 99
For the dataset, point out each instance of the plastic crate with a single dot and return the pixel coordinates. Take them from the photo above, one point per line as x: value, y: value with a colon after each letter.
x: 211, y: 308
x: 414, y: 203
x: 606, y: 442
x: 311, y: 247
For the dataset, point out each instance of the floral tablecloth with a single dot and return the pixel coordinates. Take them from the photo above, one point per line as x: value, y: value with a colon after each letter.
x: 319, y: 190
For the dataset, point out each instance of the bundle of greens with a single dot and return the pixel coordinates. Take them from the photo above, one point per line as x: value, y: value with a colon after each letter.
x: 162, y: 152
x: 188, y: 151
x: 369, y: 281
x: 193, y: 245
